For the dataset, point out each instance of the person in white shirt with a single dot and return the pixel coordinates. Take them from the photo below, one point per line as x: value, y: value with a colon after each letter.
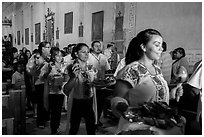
x: 68, y: 58
x: 100, y: 62
x: 108, y: 51
x: 121, y: 64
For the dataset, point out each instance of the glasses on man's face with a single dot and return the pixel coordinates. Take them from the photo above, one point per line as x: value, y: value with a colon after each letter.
x: 47, y: 47
x: 37, y: 57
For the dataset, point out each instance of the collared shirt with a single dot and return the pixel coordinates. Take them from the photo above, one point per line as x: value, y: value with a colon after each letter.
x: 100, y: 63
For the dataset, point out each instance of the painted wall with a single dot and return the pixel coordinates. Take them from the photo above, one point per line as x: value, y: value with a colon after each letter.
x: 179, y: 23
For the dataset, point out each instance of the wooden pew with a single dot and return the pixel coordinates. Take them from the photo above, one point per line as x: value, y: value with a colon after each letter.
x: 7, y: 117
x: 17, y: 106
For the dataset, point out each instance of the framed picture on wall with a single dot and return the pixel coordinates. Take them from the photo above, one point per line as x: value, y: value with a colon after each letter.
x: 18, y: 38
x: 119, y: 28
x: 57, y: 33
x: 37, y: 33
x: 31, y: 37
x: 81, y: 30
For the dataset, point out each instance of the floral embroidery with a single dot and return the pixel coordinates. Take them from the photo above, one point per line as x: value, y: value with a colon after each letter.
x: 142, y: 69
x: 161, y: 93
x: 157, y: 80
x: 159, y: 87
x: 158, y: 70
x: 136, y: 72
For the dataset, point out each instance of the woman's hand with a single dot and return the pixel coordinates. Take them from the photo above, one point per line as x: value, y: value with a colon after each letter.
x: 176, y: 92
x: 76, y: 69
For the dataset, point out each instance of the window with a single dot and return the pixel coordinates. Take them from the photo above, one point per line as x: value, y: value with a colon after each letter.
x: 27, y: 36
x: 68, y: 23
x: 18, y: 38
x: 37, y: 33
x: 97, y: 25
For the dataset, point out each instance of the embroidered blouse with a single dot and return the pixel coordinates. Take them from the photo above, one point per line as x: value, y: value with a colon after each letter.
x: 146, y: 87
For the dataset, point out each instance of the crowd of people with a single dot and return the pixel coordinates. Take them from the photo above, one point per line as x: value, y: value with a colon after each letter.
x: 57, y: 79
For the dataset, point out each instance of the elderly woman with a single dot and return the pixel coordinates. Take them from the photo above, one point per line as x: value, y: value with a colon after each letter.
x: 141, y: 80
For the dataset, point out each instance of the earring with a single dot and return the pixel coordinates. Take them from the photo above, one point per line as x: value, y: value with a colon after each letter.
x: 143, y: 48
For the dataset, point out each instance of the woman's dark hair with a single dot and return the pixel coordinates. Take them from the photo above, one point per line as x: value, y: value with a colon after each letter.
x: 63, y: 53
x: 54, y: 51
x: 109, y: 45
x: 181, y: 51
x: 41, y: 45
x: 35, y: 51
x: 91, y: 50
x: 24, y: 48
x: 77, y: 48
x: 10, y: 53
x: 28, y: 51
x: 164, y: 46
x: 134, y: 51
x: 26, y: 57
x: 14, y: 50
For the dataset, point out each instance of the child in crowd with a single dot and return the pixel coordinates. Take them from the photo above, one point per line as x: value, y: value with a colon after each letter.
x: 18, y: 77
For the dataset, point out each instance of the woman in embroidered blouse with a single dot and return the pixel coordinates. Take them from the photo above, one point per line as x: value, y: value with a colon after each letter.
x: 81, y: 75
x: 141, y: 80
